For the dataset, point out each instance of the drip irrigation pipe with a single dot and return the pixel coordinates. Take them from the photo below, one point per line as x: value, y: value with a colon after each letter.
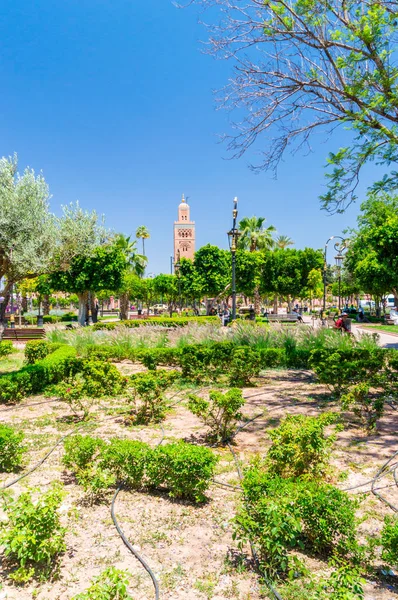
x: 29, y: 405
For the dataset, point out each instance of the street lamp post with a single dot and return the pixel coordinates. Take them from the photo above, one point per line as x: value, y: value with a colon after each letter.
x: 339, y: 260
x: 177, y: 266
x: 39, y: 316
x: 339, y: 248
x: 233, y: 236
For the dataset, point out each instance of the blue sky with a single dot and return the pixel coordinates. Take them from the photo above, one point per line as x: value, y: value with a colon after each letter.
x: 112, y: 100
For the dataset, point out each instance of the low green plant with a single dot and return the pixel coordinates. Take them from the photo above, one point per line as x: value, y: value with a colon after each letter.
x: 93, y: 379
x: 279, y: 515
x: 367, y: 405
x: 389, y: 541
x: 148, y: 394
x: 11, y: 449
x: 111, y: 584
x: 220, y: 412
x: 183, y: 469
x: 300, y: 446
x: 32, y: 535
x: 6, y: 348
x: 244, y: 365
x: 36, y: 350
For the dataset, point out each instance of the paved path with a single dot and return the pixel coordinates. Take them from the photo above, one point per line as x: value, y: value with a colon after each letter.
x: 386, y: 340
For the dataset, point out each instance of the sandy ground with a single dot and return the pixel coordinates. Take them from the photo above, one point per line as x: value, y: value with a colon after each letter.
x: 190, y: 548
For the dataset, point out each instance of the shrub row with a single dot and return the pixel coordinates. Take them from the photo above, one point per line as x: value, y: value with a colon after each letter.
x: 6, y: 348
x: 159, y: 321
x: 184, y: 470
x: 33, y: 379
x: 36, y: 350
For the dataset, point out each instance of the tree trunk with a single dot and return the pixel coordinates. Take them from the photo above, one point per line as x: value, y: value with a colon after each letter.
x: 46, y: 304
x: 6, y: 295
x: 83, y: 297
x: 257, y: 301
x: 94, y: 308
x: 25, y: 303
x: 124, y: 306
x: 275, y: 305
x: 395, y: 292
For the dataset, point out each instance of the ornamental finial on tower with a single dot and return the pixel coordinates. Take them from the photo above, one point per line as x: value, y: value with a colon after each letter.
x: 183, y: 198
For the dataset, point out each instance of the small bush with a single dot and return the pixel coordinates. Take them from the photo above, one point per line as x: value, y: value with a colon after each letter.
x: 32, y: 536
x: 94, y: 379
x: 183, y: 469
x: 300, y: 447
x: 126, y: 460
x: 389, y: 540
x: 6, y: 348
x: 369, y: 407
x: 36, y: 350
x: 11, y: 449
x: 220, y: 413
x: 51, y: 319
x: 281, y: 514
x: 158, y: 321
x: 148, y: 394
x: 112, y: 584
x: 244, y: 365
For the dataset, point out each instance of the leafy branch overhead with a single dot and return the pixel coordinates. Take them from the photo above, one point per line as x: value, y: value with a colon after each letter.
x: 303, y: 66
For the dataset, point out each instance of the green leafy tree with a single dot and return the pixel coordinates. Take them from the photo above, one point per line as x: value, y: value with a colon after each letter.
x: 213, y: 268
x: 103, y: 268
x: 27, y: 228
x: 189, y: 281
x: 372, y: 256
x: 167, y: 287
x: 135, y: 266
x: 327, y: 62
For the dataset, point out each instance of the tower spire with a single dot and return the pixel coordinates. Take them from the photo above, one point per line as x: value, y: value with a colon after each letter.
x: 183, y: 198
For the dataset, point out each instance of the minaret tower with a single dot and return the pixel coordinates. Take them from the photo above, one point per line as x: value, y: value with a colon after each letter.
x: 184, y: 233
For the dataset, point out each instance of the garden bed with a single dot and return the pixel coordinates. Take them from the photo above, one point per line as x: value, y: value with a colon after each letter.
x: 189, y: 547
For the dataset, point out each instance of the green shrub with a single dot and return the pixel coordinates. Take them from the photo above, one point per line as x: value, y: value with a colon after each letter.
x: 158, y: 321
x: 11, y: 449
x: 127, y: 460
x: 272, y: 357
x: 32, y: 536
x: 389, y: 540
x: 112, y: 584
x: 33, y: 379
x: 69, y: 316
x: 300, y: 447
x: 368, y: 406
x: 328, y: 517
x: 183, y: 469
x: 51, y: 319
x: 282, y: 514
x: 244, y: 365
x: 36, y: 350
x: 220, y: 413
x: 148, y: 394
x: 6, y: 348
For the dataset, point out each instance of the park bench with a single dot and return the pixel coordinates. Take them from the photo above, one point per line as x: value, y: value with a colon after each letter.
x: 290, y: 318
x: 23, y: 334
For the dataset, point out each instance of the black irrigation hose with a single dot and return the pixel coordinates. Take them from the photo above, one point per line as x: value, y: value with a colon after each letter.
x: 382, y: 472
x: 15, y: 406
x: 125, y: 540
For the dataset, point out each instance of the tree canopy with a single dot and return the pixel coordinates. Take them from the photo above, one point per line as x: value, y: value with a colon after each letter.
x: 307, y: 66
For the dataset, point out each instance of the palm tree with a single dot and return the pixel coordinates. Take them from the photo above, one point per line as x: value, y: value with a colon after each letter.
x: 135, y: 264
x: 253, y: 235
x: 143, y: 233
x: 283, y: 241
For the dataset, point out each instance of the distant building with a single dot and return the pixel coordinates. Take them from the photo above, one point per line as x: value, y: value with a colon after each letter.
x: 184, y: 233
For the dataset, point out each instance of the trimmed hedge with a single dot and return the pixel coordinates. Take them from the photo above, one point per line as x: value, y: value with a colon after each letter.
x: 6, y: 348
x: 158, y: 321
x: 33, y: 379
x: 183, y: 470
x: 36, y: 350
